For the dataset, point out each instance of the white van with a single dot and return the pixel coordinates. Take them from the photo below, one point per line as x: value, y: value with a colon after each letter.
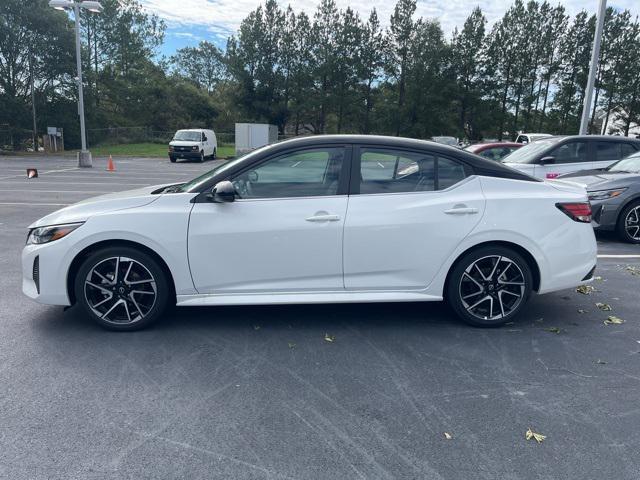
x: 531, y: 137
x: 195, y: 143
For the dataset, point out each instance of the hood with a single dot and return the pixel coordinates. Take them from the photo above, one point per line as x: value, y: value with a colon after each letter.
x: 602, y: 179
x: 85, y: 209
x: 184, y: 143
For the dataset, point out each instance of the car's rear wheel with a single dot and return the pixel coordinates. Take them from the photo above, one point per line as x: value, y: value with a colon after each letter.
x: 489, y: 286
x: 172, y: 159
x: 122, y: 288
x: 214, y: 154
x: 628, y: 226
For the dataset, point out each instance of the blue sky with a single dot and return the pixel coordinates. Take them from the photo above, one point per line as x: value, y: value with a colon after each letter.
x: 189, y: 21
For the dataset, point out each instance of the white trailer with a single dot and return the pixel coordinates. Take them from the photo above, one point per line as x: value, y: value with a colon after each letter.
x: 250, y: 136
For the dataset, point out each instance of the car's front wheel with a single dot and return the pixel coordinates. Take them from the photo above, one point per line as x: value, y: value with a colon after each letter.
x: 628, y: 226
x: 201, y: 156
x: 489, y: 286
x: 122, y: 288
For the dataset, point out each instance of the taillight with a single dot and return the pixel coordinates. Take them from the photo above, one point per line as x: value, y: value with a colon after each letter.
x: 579, y: 212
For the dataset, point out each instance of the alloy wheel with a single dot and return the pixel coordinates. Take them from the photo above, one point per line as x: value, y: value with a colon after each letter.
x: 632, y: 223
x: 120, y: 290
x: 492, y: 287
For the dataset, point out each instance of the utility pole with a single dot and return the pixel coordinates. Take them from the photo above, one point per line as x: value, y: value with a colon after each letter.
x: 33, y: 106
x: 84, y: 157
x: 595, y: 54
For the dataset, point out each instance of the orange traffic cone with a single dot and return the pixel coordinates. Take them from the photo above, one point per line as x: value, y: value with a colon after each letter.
x: 110, y: 166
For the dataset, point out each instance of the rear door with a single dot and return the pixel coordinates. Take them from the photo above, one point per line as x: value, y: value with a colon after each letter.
x: 407, y: 213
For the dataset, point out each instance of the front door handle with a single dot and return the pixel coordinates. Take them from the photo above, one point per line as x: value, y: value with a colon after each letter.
x: 323, y: 217
x: 461, y: 210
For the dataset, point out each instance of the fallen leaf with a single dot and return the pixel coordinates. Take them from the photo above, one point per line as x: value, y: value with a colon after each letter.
x: 598, y: 278
x: 256, y: 327
x: 613, y: 320
x: 604, y: 306
x: 329, y: 338
x: 585, y: 289
x: 292, y: 345
x: 633, y: 270
x: 553, y: 330
x: 447, y: 436
x: 601, y: 362
x: 581, y: 310
x: 538, y: 437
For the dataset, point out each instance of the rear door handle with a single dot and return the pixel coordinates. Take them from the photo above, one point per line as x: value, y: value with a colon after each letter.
x: 461, y: 211
x: 321, y: 217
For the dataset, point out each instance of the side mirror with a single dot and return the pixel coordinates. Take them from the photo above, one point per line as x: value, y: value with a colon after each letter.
x: 547, y: 160
x: 223, y: 192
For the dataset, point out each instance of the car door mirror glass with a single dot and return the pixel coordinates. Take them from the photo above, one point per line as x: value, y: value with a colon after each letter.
x: 223, y: 192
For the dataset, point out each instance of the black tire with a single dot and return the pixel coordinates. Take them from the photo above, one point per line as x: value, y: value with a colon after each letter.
x: 172, y: 159
x: 502, y: 302
x: 143, y: 267
x: 201, y: 156
x: 633, y: 211
x: 214, y: 154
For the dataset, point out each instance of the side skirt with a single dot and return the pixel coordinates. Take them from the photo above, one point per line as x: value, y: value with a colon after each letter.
x: 303, y: 297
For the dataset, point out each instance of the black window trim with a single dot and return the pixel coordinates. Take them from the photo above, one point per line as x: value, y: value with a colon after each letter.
x: 356, y: 154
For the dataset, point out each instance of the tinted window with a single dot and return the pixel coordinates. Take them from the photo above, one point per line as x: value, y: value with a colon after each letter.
x: 297, y: 174
x: 394, y: 171
x: 627, y: 149
x: 570, y: 152
x: 608, y: 151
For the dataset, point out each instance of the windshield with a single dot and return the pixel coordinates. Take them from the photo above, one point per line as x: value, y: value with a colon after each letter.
x: 530, y: 152
x: 195, y: 184
x: 187, y: 135
x: 629, y: 164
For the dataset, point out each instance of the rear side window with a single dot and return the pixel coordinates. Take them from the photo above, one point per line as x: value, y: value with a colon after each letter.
x: 627, y: 149
x: 608, y: 151
x: 397, y: 171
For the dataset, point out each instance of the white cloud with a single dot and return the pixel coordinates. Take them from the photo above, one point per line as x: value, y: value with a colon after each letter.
x: 223, y: 17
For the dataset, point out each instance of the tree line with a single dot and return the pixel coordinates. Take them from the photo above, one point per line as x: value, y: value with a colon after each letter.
x: 331, y: 72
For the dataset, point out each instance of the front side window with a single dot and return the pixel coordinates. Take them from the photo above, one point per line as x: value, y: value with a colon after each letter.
x: 304, y: 173
x: 570, y: 152
x: 396, y: 171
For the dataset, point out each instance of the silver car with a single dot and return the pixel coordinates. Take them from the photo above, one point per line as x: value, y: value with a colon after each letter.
x: 614, y: 193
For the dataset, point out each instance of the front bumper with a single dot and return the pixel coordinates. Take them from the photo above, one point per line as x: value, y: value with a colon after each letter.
x: 47, y: 283
x: 605, y: 214
x: 194, y: 154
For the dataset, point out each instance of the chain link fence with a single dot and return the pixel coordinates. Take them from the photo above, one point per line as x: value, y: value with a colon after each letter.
x: 16, y: 140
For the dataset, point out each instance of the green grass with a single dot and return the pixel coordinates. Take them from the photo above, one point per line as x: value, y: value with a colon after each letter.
x: 148, y: 150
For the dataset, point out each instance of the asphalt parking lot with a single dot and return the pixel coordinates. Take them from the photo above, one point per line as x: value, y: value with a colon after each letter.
x: 257, y: 392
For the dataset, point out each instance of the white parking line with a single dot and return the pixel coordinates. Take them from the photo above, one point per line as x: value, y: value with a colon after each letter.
x: 58, y: 191
x: 31, y: 204
x: 39, y: 182
x: 618, y: 256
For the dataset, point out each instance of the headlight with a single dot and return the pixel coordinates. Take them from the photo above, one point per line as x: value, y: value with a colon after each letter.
x: 195, y: 147
x: 605, y: 194
x: 49, y: 234
x: 171, y: 148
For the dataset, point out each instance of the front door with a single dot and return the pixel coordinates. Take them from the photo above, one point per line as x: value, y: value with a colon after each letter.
x: 413, y: 210
x: 569, y: 157
x: 283, y: 233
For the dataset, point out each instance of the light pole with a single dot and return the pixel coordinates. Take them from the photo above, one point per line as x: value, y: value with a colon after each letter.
x: 595, y: 54
x: 84, y: 156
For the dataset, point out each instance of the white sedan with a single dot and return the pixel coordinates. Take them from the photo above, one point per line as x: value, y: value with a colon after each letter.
x: 326, y: 219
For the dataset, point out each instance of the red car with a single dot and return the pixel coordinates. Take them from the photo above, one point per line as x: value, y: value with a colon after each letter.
x: 494, y: 151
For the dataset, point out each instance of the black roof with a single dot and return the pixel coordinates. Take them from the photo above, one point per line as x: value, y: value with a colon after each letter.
x: 481, y: 165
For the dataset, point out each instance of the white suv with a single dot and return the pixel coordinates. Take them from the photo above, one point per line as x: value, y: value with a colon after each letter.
x: 531, y: 137
x: 194, y: 143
